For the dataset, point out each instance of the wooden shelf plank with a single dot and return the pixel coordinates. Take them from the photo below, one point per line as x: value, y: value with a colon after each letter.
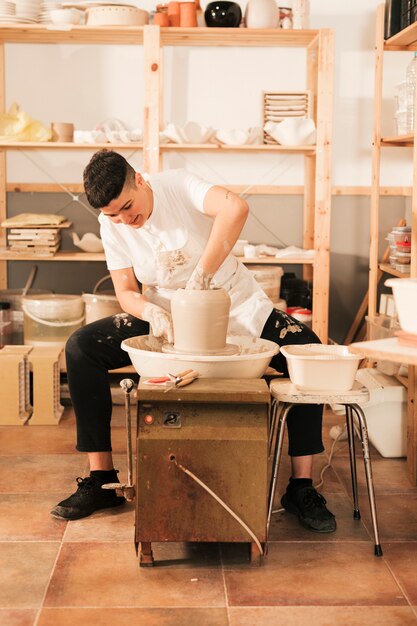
x: 274, y: 190
x: 405, y: 39
x: 99, y: 256
x: 58, y: 256
x: 252, y: 37
x: 237, y: 37
x: 270, y: 260
x: 194, y: 147
x: 168, y: 147
x: 37, y: 33
x: 406, y: 141
x: 388, y: 269
x: 385, y: 349
x: 61, y: 145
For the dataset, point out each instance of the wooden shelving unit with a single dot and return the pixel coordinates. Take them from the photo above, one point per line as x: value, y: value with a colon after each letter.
x: 403, y: 41
x: 317, y: 159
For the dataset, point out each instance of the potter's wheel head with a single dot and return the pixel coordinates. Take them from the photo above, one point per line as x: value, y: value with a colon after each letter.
x: 229, y: 350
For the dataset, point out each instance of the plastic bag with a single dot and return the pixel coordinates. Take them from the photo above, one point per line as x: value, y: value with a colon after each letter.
x: 16, y: 125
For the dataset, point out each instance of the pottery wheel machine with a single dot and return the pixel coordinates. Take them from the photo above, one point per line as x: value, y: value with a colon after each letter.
x: 214, y: 432
x: 203, y: 462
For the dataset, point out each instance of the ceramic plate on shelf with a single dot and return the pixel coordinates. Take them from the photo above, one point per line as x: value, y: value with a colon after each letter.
x: 89, y: 4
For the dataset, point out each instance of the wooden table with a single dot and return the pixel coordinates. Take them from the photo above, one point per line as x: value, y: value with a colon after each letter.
x: 392, y: 350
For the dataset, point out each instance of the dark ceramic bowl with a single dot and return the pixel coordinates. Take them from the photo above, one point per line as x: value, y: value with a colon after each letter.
x: 223, y: 14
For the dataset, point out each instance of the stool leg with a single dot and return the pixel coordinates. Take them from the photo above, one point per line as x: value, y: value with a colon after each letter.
x: 281, y: 421
x: 272, y: 423
x: 368, y: 473
x: 352, y: 457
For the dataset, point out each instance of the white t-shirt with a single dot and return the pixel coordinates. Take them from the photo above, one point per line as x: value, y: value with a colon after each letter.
x: 165, y: 251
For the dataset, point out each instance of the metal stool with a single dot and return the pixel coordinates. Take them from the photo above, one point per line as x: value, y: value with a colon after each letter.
x: 285, y: 395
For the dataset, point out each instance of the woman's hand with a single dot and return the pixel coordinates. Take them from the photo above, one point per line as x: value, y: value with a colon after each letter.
x: 198, y: 279
x: 160, y: 321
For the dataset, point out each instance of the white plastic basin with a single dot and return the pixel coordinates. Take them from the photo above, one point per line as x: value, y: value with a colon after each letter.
x: 316, y: 367
x: 405, y: 297
x: 251, y: 361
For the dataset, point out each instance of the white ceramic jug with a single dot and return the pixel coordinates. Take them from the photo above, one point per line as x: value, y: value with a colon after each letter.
x: 261, y: 14
x: 200, y: 320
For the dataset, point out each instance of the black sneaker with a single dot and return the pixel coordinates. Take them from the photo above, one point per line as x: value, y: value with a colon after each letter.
x: 88, y: 498
x: 310, y: 507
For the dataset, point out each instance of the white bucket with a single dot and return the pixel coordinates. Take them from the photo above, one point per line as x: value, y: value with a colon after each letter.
x: 51, y: 319
x: 100, y: 305
x: 269, y: 278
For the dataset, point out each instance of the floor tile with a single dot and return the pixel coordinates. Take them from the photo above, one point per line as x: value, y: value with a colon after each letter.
x: 17, y: 617
x: 25, y: 571
x: 316, y: 574
x: 286, y: 527
x: 389, y: 475
x: 133, y: 617
x: 15, y: 440
x: 41, y: 474
x: 26, y: 517
x: 402, y: 559
x: 397, y: 517
x: 323, y: 616
x: 116, y: 524
x: 108, y: 575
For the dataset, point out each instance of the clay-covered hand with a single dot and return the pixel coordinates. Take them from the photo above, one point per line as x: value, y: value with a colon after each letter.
x: 159, y: 320
x: 199, y: 279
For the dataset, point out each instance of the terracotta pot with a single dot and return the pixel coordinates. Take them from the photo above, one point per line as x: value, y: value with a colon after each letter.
x: 161, y: 19
x: 174, y: 13
x: 188, y: 14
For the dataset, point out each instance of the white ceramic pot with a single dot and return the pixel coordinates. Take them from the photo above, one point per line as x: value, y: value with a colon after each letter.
x: 200, y: 319
x: 405, y: 297
x: 261, y: 14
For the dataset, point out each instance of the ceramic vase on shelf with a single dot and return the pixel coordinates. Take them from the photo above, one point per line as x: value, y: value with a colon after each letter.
x: 223, y: 14
x: 188, y: 14
x: 261, y: 14
x: 301, y: 14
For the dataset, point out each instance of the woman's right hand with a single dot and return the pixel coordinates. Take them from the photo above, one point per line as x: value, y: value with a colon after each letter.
x: 160, y: 321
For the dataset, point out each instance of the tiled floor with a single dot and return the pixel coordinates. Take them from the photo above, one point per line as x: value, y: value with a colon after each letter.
x: 86, y: 572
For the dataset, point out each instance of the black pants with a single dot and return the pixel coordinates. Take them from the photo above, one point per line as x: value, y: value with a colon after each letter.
x: 95, y: 348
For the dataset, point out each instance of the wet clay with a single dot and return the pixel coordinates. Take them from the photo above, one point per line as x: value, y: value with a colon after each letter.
x: 200, y: 319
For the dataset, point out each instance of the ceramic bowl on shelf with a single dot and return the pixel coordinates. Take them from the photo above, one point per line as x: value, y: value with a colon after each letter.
x: 191, y: 132
x: 65, y: 16
x: 223, y: 14
x: 293, y: 131
x: 116, y: 15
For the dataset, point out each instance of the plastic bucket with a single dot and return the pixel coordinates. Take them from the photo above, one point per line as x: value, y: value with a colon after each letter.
x: 269, y: 278
x: 51, y: 319
x: 99, y: 305
x: 14, y: 296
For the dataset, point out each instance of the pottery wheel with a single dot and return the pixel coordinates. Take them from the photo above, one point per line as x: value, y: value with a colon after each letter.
x: 229, y: 350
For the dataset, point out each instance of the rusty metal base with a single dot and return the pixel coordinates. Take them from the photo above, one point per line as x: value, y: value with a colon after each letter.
x: 146, y: 558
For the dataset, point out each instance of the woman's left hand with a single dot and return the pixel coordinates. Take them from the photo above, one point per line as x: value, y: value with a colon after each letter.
x: 199, y: 279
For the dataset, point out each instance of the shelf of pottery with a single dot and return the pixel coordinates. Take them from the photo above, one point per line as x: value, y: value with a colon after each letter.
x: 306, y: 129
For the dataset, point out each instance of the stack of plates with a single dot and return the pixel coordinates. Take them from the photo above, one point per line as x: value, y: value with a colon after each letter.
x: 46, y: 7
x: 278, y: 105
x: 7, y: 11
x: 27, y: 11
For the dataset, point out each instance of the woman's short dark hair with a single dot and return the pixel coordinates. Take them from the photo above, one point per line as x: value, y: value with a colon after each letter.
x: 105, y: 176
